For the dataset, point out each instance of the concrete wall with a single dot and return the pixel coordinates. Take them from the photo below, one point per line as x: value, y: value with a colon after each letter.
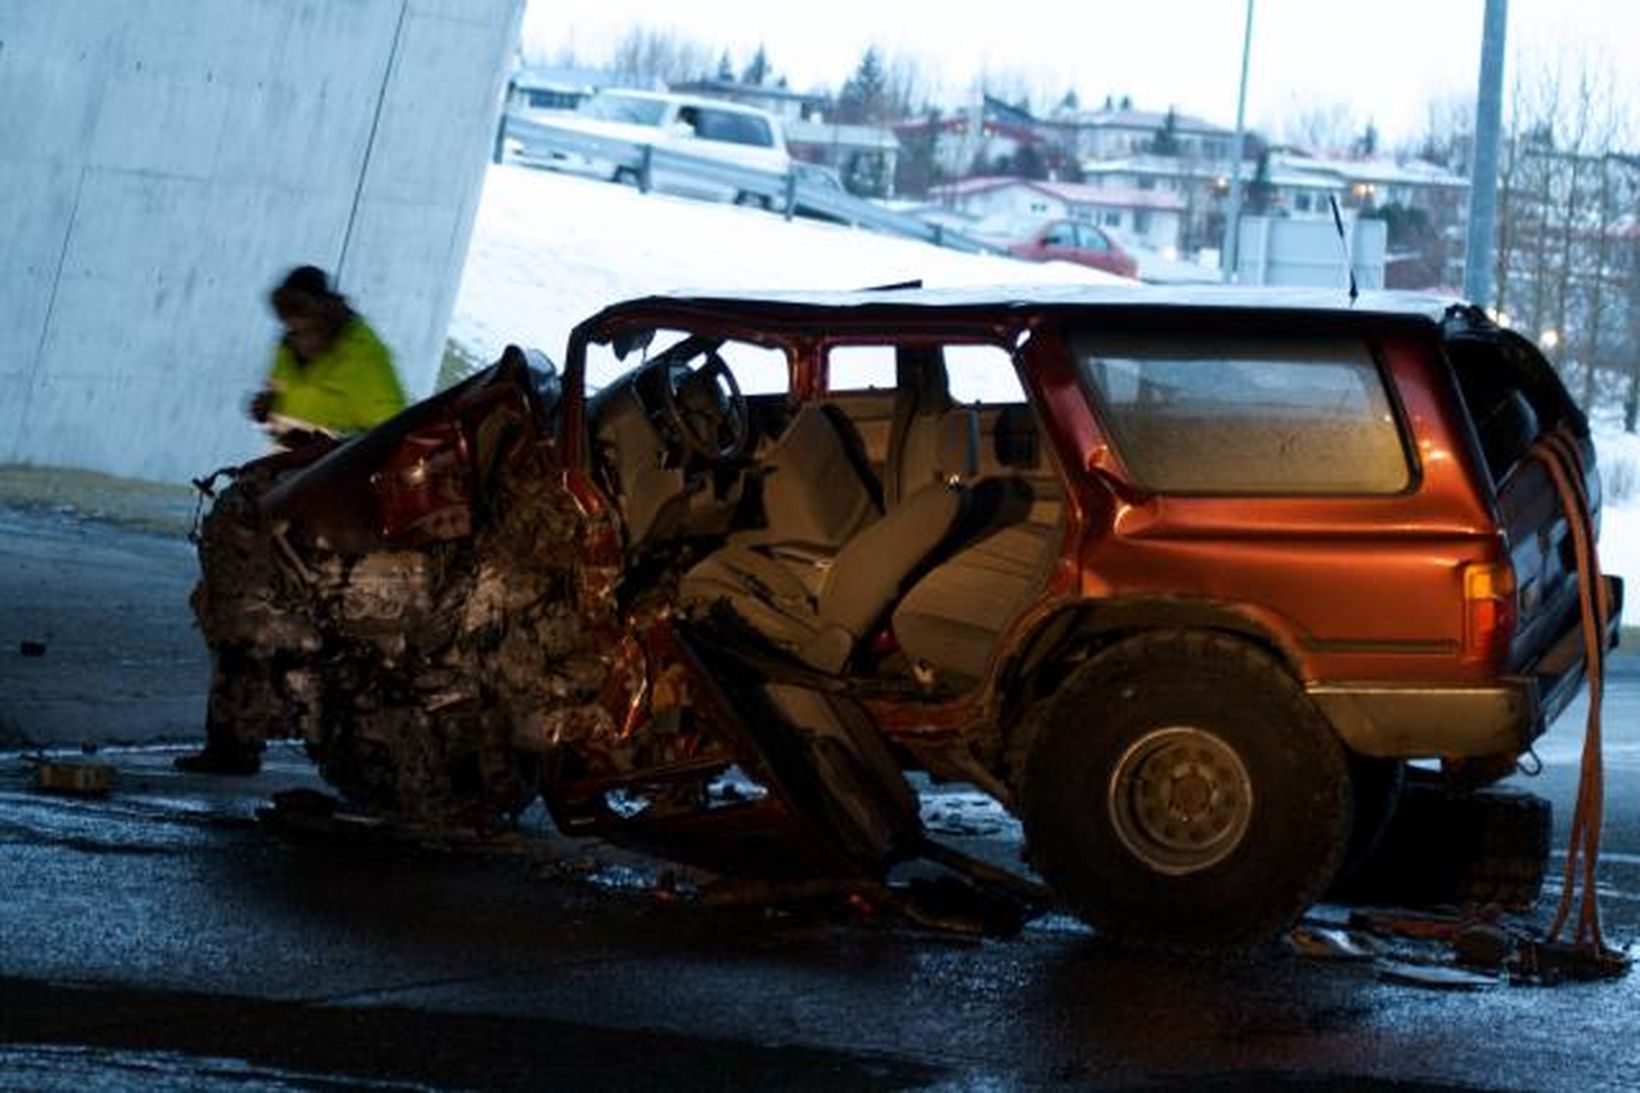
x: 163, y: 162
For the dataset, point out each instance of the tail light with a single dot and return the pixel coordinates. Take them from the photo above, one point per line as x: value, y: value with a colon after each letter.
x: 1490, y: 610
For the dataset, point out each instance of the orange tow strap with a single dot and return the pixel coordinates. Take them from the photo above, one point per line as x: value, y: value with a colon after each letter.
x: 1563, y: 459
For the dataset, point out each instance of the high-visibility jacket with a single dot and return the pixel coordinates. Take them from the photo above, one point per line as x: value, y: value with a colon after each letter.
x: 348, y: 388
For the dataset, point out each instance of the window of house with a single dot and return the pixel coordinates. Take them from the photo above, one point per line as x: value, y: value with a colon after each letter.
x: 1113, y: 219
x: 1245, y: 415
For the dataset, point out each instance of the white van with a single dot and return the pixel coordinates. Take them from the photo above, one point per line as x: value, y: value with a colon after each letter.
x: 705, y: 128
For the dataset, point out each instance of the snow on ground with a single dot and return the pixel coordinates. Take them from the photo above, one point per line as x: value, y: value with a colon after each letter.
x: 550, y: 249
x: 1618, y: 454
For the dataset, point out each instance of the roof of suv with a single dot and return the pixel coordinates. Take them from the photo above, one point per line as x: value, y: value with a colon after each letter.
x: 957, y: 303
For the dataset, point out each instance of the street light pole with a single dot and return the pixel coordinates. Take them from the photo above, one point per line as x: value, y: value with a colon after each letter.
x: 1232, y: 231
x: 1483, y: 175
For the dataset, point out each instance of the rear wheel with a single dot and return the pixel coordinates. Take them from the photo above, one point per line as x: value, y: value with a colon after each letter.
x: 1181, y: 790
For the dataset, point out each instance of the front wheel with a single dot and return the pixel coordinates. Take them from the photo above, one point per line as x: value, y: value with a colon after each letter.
x: 1181, y: 790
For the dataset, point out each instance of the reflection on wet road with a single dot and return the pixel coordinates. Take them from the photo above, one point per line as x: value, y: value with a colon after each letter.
x: 177, y: 908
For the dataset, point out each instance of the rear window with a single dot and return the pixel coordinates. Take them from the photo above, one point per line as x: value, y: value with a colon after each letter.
x: 1246, y: 415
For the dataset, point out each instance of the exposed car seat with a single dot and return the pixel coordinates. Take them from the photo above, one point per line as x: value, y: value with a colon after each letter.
x: 951, y: 618
x: 930, y: 438
x: 822, y: 621
x: 815, y: 492
x: 826, y: 565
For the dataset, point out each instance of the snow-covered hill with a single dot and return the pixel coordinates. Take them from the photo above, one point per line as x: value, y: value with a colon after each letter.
x: 549, y: 249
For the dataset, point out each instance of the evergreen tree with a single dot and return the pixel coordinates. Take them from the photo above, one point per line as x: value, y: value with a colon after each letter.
x: 726, y: 68
x: 1261, y: 191
x: 757, y: 70
x: 864, y: 97
x: 1070, y: 104
x: 1366, y: 144
x: 916, y: 169
x: 1028, y: 162
x: 1166, y: 140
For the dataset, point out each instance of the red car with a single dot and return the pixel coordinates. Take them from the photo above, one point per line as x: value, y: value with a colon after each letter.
x: 1183, y: 578
x: 1074, y: 241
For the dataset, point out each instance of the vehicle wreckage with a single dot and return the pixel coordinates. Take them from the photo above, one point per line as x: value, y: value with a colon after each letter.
x: 1184, y: 582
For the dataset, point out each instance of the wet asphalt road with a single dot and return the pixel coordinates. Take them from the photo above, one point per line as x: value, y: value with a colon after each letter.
x: 163, y: 938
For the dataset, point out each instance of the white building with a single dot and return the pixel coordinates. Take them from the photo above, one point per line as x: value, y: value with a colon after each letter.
x: 1116, y: 132
x: 1152, y: 217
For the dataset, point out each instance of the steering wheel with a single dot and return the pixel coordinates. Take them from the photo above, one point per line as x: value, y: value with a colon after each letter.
x: 705, y: 408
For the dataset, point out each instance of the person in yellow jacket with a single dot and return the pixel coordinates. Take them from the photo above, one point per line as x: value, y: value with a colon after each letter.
x: 331, y: 374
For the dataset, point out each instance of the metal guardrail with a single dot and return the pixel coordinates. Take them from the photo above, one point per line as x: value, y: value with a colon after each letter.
x: 786, y: 192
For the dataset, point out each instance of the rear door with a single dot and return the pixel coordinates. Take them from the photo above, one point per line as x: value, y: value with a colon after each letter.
x: 1514, y: 399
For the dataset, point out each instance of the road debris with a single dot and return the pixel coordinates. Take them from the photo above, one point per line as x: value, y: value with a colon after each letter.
x: 1332, y: 943
x: 31, y: 648
x: 1437, y: 976
x: 1478, y: 946
x: 74, y: 777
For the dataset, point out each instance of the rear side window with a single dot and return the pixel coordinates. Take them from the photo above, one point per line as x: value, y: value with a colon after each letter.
x: 1247, y: 416
x: 733, y: 128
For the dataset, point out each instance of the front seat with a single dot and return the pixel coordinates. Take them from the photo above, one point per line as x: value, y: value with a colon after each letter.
x: 930, y: 438
x: 827, y: 567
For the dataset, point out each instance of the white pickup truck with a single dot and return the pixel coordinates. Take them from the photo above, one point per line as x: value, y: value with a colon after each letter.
x: 696, y: 127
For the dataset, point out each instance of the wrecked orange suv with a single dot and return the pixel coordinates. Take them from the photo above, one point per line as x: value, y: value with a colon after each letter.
x: 1175, y: 576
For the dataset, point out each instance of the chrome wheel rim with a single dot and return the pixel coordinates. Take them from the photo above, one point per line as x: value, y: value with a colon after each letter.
x: 1180, y: 799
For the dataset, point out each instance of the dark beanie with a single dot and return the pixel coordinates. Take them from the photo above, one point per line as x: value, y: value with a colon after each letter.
x: 308, y: 280
x: 303, y: 283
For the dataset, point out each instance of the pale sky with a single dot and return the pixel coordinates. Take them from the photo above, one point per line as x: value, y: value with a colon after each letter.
x: 1385, y: 59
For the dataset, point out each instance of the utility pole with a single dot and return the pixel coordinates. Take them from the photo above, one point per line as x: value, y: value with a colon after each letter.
x: 1483, y: 176
x: 1232, y: 231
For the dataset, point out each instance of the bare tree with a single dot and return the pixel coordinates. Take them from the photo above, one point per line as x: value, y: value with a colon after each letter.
x: 1566, y: 203
x: 906, y: 89
x: 647, y: 56
x: 1322, y: 127
x: 1447, y: 137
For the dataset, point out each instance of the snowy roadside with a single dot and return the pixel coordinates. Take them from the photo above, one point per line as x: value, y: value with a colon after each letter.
x: 550, y: 249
